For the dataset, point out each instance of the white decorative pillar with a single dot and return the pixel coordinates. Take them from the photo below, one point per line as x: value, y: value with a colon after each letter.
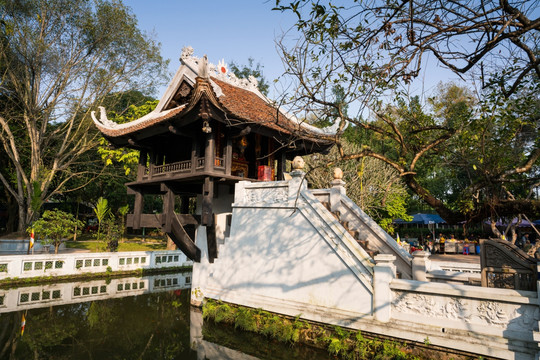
x: 536, y: 334
x: 384, y: 272
x: 337, y: 190
x: 420, y: 264
x: 297, y: 183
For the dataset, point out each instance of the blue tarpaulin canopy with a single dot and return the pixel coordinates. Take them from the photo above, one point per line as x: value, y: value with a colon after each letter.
x: 423, y: 219
x: 524, y: 223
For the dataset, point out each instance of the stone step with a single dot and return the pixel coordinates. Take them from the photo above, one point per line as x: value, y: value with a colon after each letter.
x: 363, y: 243
x: 372, y: 253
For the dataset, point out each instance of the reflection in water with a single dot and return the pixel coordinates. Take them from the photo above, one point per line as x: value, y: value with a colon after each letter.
x: 125, y: 318
x: 128, y: 318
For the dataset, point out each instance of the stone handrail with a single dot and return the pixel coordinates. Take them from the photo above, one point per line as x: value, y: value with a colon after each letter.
x: 368, y: 228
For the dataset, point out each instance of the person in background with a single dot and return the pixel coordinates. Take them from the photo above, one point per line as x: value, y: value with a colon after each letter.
x: 524, y: 240
x: 441, y: 241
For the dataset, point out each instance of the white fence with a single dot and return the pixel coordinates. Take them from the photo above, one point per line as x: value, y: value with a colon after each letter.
x: 70, y: 293
x: 495, y: 322
x: 26, y: 266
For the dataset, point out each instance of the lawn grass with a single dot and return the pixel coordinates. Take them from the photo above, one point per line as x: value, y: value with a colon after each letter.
x: 99, y: 246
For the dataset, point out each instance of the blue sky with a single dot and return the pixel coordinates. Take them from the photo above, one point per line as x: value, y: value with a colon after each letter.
x: 231, y: 30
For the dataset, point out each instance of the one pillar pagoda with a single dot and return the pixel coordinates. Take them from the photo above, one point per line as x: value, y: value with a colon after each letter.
x: 209, y: 131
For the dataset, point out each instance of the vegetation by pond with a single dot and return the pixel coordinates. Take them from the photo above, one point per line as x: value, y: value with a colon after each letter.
x: 337, y: 341
x: 99, y: 246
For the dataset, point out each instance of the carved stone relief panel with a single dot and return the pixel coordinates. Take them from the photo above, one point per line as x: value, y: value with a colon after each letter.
x: 522, y: 317
x: 270, y: 195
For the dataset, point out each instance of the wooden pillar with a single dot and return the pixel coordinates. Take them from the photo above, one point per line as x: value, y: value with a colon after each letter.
x: 208, y: 193
x: 141, y: 168
x: 207, y: 218
x: 211, y: 241
x: 209, y: 152
x: 137, y: 209
x: 228, y: 156
x: 194, y: 154
x: 152, y: 162
x: 168, y: 209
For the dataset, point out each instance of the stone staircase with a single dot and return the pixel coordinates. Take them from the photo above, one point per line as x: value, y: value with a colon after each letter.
x: 354, y: 233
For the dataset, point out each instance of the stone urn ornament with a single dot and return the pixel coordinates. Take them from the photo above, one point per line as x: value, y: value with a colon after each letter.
x: 298, y: 163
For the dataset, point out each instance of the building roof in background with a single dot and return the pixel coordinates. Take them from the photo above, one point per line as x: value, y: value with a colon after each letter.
x: 423, y: 219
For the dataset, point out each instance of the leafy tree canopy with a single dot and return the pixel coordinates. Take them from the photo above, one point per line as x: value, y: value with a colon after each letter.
x: 251, y: 69
x: 59, y: 60
x: 469, y: 154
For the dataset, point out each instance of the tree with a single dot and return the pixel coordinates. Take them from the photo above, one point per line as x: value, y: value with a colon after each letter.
x: 373, y: 49
x: 55, y: 226
x: 58, y: 61
x: 373, y: 185
x: 391, y: 39
x: 245, y: 71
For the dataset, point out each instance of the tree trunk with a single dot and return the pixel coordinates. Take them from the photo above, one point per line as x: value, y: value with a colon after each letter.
x: 21, y: 227
x: 12, y: 218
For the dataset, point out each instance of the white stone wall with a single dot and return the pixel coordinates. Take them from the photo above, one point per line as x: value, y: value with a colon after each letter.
x: 493, y: 322
x: 286, y: 254
x: 26, y: 266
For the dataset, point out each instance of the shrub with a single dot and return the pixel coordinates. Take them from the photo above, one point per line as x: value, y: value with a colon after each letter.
x: 55, y: 226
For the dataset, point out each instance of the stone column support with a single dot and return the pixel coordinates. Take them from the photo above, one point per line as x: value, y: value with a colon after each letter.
x: 298, y: 182
x: 420, y: 265
x: 384, y: 272
x: 337, y: 190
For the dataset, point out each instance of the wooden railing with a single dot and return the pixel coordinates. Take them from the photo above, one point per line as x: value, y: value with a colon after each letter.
x: 200, y: 163
x: 185, y: 166
x: 181, y: 166
x: 219, y: 162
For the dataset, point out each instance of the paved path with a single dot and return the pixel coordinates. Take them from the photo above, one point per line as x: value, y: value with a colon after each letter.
x: 469, y: 259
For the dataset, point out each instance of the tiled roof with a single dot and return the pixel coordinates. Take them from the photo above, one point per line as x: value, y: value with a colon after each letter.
x: 239, y: 104
x: 249, y: 107
x: 139, y: 124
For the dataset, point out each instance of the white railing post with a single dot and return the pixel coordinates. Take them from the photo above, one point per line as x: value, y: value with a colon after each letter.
x: 420, y: 265
x: 337, y: 190
x: 384, y: 272
x: 297, y: 183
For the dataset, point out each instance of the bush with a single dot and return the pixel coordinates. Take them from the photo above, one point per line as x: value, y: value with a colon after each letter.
x: 55, y: 226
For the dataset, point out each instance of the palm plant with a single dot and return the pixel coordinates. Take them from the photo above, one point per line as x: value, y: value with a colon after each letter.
x: 102, y: 211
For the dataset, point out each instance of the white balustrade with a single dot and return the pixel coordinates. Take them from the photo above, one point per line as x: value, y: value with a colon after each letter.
x: 25, y: 266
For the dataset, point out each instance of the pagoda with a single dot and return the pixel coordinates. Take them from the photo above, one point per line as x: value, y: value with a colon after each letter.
x: 209, y: 130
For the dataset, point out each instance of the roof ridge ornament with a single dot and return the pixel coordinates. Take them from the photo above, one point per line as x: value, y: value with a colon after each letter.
x: 103, y: 120
x: 203, y: 67
x: 220, y: 72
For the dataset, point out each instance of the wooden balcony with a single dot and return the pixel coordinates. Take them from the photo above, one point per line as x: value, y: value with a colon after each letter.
x: 186, y: 167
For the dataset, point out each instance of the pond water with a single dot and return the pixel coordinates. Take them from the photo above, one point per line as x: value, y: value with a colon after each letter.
x: 124, y: 318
